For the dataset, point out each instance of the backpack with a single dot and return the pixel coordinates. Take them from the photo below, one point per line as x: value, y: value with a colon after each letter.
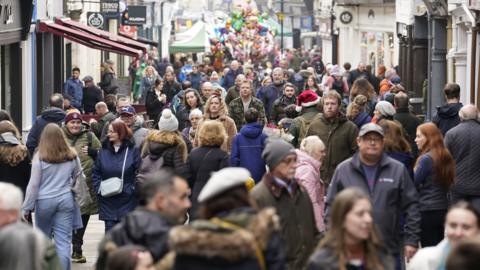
x: 147, y: 166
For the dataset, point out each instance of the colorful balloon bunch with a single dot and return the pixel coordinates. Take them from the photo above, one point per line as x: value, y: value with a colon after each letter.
x: 245, y: 35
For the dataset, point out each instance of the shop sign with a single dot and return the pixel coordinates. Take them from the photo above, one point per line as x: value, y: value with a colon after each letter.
x: 10, y: 15
x: 95, y: 19
x: 346, y: 17
x: 110, y: 8
x: 306, y: 22
x: 128, y: 30
x: 134, y: 15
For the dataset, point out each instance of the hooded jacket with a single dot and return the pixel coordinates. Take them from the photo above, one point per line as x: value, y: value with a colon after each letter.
x: 87, y: 160
x: 393, y: 196
x: 247, y: 148
x: 268, y: 95
x: 308, y: 175
x: 109, y: 164
x: 361, y: 119
x: 143, y: 227
x: 52, y: 115
x: 447, y: 116
x: 230, y: 240
x: 339, y: 136
x: 167, y: 150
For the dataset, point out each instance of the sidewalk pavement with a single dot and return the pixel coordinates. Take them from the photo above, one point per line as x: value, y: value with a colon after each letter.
x: 93, y: 236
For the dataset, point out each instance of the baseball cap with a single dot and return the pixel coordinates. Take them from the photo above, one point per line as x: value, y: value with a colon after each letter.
x: 128, y: 110
x: 371, y: 127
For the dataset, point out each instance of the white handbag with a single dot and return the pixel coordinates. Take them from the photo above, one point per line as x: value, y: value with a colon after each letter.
x: 113, y: 185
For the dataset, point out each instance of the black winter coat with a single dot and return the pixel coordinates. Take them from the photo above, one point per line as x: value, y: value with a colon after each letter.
x: 52, y: 115
x: 145, y: 228
x: 153, y: 106
x: 18, y: 175
x: 91, y: 96
x: 324, y: 259
x: 447, y: 116
x: 171, y: 89
x: 201, y: 162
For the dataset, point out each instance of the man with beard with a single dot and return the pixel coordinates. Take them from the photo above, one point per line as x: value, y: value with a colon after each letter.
x: 234, y: 91
x: 272, y: 92
x: 338, y: 134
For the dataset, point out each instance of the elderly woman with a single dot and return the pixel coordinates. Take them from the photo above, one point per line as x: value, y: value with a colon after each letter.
x: 188, y: 133
x: 206, y: 158
x: 309, y: 160
x: 383, y: 110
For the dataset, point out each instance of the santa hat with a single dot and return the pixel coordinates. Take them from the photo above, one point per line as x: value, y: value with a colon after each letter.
x: 307, y: 98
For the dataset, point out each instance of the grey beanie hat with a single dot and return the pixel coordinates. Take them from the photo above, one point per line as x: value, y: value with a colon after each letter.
x: 275, y: 151
x: 168, y: 121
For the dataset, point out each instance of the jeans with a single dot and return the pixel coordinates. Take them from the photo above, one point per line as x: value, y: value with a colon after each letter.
x: 54, y: 217
x: 109, y: 224
x: 77, y: 239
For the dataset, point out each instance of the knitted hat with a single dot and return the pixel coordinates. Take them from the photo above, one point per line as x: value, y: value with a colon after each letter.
x: 168, y: 121
x: 275, y: 151
x: 385, y: 108
x: 307, y: 98
x: 73, y: 116
x: 223, y: 180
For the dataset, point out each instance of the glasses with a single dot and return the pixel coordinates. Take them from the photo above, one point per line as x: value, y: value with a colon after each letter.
x: 373, y: 140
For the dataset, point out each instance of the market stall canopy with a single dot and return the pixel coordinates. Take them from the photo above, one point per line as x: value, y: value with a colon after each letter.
x: 194, y: 40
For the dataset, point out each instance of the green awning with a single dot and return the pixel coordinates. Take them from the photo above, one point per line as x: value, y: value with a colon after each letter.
x: 197, y: 43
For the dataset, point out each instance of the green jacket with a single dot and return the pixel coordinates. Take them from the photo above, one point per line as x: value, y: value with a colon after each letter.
x: 97, y: 127
x: 232, y: 94
x: 339, y: 137
x: 296, y: 126
x: 235, y: 111
x: 78, y: 141
x: 297, y: 222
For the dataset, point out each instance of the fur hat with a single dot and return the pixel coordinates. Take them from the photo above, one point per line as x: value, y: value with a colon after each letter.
x: 223, y: 180
x: 275, y: 151
x: 168, y: 121
x: 307, y: 98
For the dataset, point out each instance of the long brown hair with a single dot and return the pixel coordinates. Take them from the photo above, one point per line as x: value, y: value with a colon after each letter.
x: 53, y: 147
x: 223, y: 110
x: 335, y: 237
x: 357, y: 106
x: 395, y: 140
x: 443, y: 163
x: 11, y: 154
x: 362, y: 87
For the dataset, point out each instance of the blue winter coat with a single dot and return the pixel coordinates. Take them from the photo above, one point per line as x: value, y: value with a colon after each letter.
x: 229, y: 78
x: 247, y: 148
x: 362, y: 119
x: 74, y: 90
x: 109, y: 164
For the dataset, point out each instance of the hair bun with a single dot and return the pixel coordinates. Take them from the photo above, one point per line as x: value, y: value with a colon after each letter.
x: 360, y: 100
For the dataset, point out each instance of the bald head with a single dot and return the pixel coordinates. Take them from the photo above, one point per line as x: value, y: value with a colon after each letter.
x: 468, y: 112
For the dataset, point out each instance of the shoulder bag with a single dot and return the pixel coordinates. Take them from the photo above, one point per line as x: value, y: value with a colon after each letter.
x: 113, y: 185
x: 80, y: 187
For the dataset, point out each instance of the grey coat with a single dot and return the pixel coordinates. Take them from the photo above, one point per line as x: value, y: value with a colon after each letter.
x: 463, y: 142
x: 393, y: 195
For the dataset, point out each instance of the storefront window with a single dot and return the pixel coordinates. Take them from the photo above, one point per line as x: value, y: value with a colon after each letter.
x: 376, y: 48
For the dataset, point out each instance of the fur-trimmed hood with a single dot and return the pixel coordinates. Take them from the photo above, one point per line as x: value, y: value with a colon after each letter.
x: 157, y: 141
x: 204, y: 238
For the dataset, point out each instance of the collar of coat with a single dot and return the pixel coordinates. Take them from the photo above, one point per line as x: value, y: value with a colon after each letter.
x: 277, y: 189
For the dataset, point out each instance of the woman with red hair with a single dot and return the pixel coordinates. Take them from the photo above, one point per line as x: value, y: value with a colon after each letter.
x: 434, y: 173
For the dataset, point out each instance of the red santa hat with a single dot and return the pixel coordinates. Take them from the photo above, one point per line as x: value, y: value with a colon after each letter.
x: 307, y: 98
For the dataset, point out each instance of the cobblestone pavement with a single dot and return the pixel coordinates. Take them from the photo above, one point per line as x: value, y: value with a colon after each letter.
x: 93, y: 235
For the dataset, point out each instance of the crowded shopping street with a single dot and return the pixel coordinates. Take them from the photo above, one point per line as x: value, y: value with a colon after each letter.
x: 239, y: 134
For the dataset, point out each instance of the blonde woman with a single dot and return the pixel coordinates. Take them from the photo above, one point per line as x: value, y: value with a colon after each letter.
x: 206, y: 158
x: 150, y: 75
x: 216, y: 109
x: 49, y: 191
x: 356, y: 111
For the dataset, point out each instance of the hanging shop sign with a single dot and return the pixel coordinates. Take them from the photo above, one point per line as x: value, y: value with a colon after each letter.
x: 110, y: 8
x: 134, y: 15
x: 95, y: 19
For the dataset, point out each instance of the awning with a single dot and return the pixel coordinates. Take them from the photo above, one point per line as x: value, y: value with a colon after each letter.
x: 88, y: 39
x: 103, y: 34
x: 141, y: 39
x: 197, y: 42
